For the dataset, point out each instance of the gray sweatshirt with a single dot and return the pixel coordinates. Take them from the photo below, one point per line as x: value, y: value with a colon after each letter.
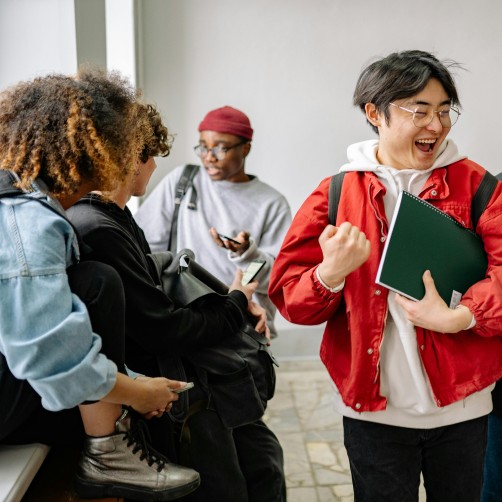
x: 230, y: 207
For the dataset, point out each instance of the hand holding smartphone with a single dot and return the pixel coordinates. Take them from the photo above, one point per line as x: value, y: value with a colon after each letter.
x: 252, y: 271
x: 226, y: 238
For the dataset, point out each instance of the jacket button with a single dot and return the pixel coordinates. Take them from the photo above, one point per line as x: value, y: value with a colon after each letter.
x: 358, y: 406
x: 370, y: 351
x: 378, y: 292
x: 434, y: 192
x: 382, y: 239
x: 422, y: 347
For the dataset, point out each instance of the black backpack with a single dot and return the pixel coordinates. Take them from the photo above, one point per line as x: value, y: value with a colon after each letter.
x: 238, y: 373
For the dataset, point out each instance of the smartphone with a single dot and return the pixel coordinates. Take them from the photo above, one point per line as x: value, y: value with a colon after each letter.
x: 188, y: 386
x: 252, y: 271
x: 226, y: 238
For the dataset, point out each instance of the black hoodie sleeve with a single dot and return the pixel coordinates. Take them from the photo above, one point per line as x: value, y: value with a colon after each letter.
x: 152, y: 320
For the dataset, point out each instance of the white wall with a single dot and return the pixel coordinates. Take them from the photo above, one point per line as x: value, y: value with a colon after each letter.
x: 36, y: 37
x: 292, y: 65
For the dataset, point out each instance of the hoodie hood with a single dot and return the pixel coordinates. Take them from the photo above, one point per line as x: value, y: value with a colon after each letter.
x: 362, y: 156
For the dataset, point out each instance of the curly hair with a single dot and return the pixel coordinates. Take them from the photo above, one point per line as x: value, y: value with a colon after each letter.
x: 158, y: 141
x: 70, y: 130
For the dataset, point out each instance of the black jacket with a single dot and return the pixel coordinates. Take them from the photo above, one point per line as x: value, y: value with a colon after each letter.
x: 154, y: 327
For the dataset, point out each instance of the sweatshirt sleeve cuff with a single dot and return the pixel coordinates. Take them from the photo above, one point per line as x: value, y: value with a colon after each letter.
x: 248, y: 255
x: 336, y: 289
x: 473, y: 323
x: 473, y: 320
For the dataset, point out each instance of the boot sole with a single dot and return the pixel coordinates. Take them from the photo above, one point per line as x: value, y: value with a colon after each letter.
x: 88, y: 490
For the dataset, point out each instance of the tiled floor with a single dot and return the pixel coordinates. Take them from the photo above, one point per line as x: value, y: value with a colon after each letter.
x: 311, y: 434
x: 310, y: 431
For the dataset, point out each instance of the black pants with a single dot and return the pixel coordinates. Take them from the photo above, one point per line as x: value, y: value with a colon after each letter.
x: 22, y: 417
x: 386, y: 461
x: 243, y: 464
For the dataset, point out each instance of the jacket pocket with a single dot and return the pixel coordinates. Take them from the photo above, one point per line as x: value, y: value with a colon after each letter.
x: 235, y: 397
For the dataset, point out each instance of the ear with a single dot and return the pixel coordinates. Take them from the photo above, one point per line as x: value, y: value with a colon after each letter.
x: 246, y: 148
x: 373, y: 115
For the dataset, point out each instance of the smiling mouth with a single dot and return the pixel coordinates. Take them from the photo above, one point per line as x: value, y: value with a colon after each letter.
x: 212, y: 170
x: 426, y: 145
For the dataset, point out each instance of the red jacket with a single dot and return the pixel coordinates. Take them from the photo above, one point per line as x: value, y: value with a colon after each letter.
x: 458, y: 364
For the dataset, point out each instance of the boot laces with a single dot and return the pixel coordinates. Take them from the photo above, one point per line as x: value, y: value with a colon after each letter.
x: 139, y: 436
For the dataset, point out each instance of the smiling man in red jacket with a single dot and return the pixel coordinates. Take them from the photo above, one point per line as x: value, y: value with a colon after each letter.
x: 412, y: 379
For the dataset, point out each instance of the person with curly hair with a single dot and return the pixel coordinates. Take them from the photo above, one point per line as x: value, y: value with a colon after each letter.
x: 63, y: 378
x: 236, y: 454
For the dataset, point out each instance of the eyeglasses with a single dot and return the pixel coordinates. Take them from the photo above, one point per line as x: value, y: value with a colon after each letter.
x: 423, y: 115
x: 218, y: 151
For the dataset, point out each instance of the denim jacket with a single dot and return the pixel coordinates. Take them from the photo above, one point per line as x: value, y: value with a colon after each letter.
x: 45, y: 331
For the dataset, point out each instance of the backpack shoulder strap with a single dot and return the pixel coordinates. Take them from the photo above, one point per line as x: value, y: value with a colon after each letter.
x: 482, y: 196
x: 335, y: 190
x: 479, y: 201
x: 184, y: 183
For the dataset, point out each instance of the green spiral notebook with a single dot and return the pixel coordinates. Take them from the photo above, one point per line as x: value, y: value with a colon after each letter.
x: 421, y: 237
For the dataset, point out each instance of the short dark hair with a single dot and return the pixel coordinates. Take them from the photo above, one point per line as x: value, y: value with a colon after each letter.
x: 401, y: 75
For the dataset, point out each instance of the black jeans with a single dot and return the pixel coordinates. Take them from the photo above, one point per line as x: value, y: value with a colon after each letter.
x: 22, y: 417
x: 243, y: 464
x: 386, y: 461
x: 492, y: 486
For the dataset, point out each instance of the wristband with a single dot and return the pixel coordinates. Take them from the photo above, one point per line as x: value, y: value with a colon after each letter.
x: 473, y: 320
x: 336, y: 289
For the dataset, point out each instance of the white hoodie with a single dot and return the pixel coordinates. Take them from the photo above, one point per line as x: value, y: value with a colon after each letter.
x: 402, y: 378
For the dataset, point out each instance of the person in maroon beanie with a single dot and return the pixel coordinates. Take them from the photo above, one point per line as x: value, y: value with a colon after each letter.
x: 228, y: 217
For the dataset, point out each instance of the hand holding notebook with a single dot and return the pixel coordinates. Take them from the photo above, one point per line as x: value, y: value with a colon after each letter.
x: 421, y: 237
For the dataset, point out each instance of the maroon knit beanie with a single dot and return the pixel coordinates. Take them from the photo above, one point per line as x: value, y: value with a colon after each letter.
x: 227, y: 120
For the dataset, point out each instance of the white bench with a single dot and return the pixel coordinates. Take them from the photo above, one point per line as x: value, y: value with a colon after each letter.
x: 18, y: 466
